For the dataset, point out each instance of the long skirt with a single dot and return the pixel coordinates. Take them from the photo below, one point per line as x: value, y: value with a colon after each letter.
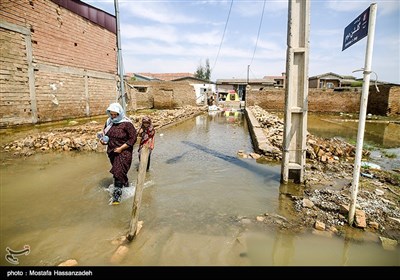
x: 121, y: 163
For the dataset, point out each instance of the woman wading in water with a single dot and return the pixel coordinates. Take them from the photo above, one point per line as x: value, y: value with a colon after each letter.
x: 119, y: 135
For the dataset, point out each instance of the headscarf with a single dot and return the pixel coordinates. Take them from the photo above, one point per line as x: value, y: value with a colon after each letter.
x: 147, y: 132
x: 116, y: 107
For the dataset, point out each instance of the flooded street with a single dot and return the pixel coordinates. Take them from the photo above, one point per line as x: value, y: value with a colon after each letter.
x: 198, y: 207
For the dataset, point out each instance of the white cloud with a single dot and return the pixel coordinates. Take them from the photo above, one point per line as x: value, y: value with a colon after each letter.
x: 158, y: 12
x: 163, y: 33
x: 174, y: 36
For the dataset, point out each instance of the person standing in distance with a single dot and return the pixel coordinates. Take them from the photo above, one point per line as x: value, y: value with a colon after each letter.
x: 146, y: 134
x: 120, y: 136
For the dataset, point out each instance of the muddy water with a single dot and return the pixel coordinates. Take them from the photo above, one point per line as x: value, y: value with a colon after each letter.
x: 198, y: 207
x: 383, y: 133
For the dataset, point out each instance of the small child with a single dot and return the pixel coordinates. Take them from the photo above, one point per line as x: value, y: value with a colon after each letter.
x: 146, y: 134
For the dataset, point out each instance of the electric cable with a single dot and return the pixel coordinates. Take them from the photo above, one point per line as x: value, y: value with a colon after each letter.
x: 223, y: 35
x: 258, y: 34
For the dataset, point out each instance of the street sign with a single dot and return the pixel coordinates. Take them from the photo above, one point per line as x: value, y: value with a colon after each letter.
x: 356, y: 30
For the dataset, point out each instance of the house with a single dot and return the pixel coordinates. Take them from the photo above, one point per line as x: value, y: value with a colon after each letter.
x: 203, y: 89
x: 330, y: 81
x: 158, y: 76
x: 276, y: 81
x: 239, y: 85
x: 243, y: 85
x: 140, y: 77
x: 339, y: 82
x: 203, y: 92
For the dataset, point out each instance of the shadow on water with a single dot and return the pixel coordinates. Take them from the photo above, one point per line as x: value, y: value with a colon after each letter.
x: 274, y: 175
x: 106, y: 182
x: 177, y: 158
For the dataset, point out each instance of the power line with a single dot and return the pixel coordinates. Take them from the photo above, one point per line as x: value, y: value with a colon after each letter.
x: 223, y: 35
x: 258, y: 34
x: 254, y: 75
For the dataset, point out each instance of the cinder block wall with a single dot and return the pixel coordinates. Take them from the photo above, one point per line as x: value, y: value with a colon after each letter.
x: 55, y: 64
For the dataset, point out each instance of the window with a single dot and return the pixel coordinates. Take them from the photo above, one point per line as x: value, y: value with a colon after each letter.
x: 141, y: 89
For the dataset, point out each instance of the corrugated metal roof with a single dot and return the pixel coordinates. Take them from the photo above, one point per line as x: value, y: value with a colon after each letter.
x: 91, y: 13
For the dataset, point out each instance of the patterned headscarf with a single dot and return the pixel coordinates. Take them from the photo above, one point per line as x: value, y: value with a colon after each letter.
x: 147, y: 132
x: 116, y: 107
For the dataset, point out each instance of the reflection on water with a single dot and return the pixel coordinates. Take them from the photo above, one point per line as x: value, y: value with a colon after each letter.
x: 198, y: 207
x: 379, y: 133
x: 383, y: 134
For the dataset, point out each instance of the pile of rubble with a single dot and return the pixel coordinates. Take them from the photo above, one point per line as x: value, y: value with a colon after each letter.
x: 83, y: 137
x: 325, y: 198
x: 320, y: 149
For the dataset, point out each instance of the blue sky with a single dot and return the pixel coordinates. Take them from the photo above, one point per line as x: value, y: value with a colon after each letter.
x: 167, y: 36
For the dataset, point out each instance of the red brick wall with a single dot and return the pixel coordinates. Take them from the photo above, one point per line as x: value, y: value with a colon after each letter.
x: 72, y: 70
x: 61, y: 37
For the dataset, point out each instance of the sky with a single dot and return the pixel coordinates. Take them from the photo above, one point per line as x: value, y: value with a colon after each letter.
x: 248, y: 38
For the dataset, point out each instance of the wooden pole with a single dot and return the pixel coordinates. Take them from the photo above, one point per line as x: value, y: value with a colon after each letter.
x: 144, y: 157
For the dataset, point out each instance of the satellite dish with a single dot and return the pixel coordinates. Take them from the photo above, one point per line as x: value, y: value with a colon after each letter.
x: 248, y: 87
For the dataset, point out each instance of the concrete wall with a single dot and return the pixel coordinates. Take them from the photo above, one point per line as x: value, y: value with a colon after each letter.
x: 55, y: 64
x: 386, y: 102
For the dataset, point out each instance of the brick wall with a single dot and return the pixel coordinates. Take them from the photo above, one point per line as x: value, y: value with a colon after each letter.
x: 54, y: 64
x: 384, y: 102
x: 394, y: 101
x: 332, y: 101
x: 164, y: 95
x: 61, y: 37
x: 14, y: 88
x: 318, y: 100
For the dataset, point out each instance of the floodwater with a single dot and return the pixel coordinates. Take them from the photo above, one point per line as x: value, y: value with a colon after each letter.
x: 198, y: 208
x: 382, y: 133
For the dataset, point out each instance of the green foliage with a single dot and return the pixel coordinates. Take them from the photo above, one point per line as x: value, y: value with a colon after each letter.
x: 356, y: 84
x: 203, y: 72
x: 388, y: 154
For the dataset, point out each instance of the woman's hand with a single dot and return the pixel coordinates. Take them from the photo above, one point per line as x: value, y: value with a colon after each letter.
x: 102, y: 142
x: 120, y: 149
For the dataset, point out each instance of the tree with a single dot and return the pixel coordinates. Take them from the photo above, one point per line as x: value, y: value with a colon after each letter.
x: 203, y: 72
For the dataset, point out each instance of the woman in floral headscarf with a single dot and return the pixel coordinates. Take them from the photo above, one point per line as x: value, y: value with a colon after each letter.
x: 146, y: 134
x: 119, y: 135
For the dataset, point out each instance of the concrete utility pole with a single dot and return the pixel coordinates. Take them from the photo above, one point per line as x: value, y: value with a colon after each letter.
x: 120, y: 66
x: 296, y: 95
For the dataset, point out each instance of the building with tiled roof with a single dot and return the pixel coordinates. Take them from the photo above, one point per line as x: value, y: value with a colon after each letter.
x: 147, y: 76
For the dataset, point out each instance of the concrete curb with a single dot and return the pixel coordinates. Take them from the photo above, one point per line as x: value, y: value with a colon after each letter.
x: 258, y: 137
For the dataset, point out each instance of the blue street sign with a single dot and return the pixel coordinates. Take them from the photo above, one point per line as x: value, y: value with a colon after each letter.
x: 356, y: 30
